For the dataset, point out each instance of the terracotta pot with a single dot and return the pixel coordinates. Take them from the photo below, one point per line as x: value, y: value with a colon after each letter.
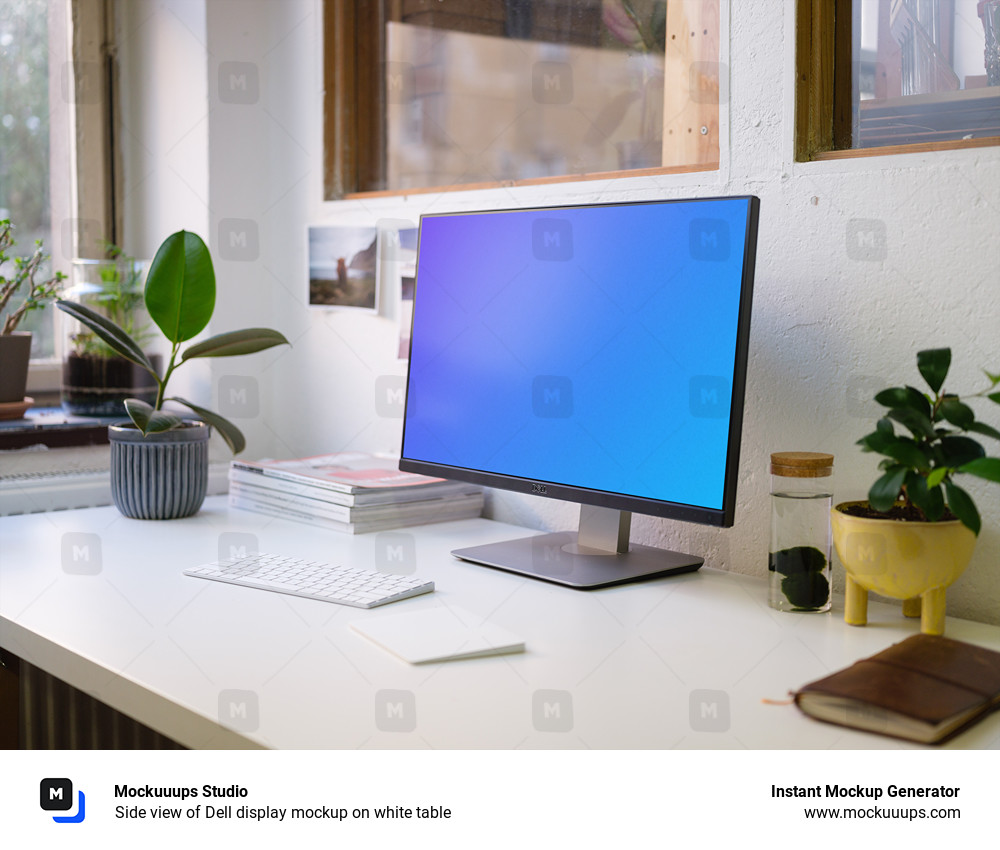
x: 912, y: 561
x: 15, y: 352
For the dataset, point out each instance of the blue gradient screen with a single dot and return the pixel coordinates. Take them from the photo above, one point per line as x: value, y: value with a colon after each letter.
x: 592, y: 347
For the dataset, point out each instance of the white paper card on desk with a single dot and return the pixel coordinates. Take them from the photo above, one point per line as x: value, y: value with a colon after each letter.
x: 438, y: 634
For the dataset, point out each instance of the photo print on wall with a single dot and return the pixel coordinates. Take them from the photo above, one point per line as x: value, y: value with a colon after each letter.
x: 342, y: 267
x: 403, y: 271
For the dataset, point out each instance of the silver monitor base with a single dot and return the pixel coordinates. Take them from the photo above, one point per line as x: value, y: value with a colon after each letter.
x: 607, y: 559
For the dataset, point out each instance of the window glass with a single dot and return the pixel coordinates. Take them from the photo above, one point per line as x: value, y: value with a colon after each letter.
x: 507, y: 90
x: 926, y: 71
x: 24, y: 142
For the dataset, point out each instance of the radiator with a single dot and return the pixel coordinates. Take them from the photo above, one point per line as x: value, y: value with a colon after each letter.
x: 56, y: 716
x: 59, y: 490
x: 28, y: 494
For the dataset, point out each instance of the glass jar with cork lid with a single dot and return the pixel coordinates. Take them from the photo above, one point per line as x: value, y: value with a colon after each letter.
x: 799, y: 557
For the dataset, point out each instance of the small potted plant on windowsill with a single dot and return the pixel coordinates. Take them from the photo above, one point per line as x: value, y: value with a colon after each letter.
x: 96, y: 380
x: 159, y: 460
x: 15, y: 345
x: 915, y: 534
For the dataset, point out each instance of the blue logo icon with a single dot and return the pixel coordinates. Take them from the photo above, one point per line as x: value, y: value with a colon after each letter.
x: 56, y: 795
x: 708, y: 239
x: 552, y: 396
x: 710, y: 396
x: 552, y: 239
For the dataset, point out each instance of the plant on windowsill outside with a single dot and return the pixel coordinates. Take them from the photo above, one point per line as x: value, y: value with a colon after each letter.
x: 96, y: 380
x: 15, y: 346
x: 916, y: 532
x: 643, y: 31
x: 159, y: 462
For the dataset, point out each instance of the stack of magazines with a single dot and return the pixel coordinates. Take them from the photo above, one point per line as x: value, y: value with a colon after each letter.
x: 352, y: 492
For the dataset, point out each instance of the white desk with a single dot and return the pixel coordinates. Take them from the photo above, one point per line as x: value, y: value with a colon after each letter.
x: 680, y: 662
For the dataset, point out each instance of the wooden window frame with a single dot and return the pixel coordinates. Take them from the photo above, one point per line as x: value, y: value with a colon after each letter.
x: 84, y: 154
x: 823, y: 88
x: 97, y: 178
x: 354, y: 129
x: 352, y: 38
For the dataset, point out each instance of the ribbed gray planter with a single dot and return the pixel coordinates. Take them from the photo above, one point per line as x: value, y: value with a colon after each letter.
x: 160, y: 476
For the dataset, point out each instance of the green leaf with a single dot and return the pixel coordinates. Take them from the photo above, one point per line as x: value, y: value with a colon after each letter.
x: 928, y: 499
x: 885, y: 491
x: 236, y: 342
x: 957, y: 451
x: 994, y: 379
x: 901, y: 449
x: 883, y: 429
x: 113, y: 336
x: 180, y: 286
x: 933, y: 364
x: 230, y: 433
x: 907, y: 397
x: 994, y: 397
x: 937, y: 476
x: 147, y: 419
x: 961, y: 505
x: 935, y: 504
x: 874, y: 441
x: 918, y: 424
x: 984, y: 467
x: 983, y: 428
x: 957, y: 413
x: 908, y: 452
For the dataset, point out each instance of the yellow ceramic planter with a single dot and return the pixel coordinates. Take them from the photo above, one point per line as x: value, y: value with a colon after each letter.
x: 912, y: 561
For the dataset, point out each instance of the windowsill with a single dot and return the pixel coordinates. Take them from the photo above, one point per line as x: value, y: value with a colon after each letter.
x: 920, y: 147
x: 53, y: 428
x: 533, y: 181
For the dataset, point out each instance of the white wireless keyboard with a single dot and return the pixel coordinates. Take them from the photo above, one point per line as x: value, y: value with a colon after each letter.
x: 314, y: 580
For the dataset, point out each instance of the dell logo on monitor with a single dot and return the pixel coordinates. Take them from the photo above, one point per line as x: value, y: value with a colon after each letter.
x: 540, y: 489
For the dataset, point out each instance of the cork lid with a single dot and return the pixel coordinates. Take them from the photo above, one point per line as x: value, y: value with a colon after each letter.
x: 801, y: 464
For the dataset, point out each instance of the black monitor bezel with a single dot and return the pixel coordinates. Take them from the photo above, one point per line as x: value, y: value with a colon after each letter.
x: 722, y: 517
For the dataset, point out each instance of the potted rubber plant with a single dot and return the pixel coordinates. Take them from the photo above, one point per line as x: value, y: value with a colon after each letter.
x: 15, y: 345
x: 159, y: 459
x: 916, y: 532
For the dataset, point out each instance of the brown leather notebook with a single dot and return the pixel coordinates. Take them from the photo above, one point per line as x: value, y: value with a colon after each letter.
x: 925, y: 689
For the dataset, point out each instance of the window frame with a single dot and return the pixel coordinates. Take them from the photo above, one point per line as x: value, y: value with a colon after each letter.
x: 354, y: 131
x: 84, y: 151
x: 97, y: 157
x: 824, y: 50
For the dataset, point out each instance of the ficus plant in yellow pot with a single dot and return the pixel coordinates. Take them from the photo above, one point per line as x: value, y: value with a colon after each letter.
x: 916, y: 532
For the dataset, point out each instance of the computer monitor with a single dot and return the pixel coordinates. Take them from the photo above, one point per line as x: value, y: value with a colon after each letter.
x: 593, y: 353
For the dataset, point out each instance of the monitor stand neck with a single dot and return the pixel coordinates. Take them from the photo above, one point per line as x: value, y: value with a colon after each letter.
x: 603, y: 531
x: 598, y: 555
